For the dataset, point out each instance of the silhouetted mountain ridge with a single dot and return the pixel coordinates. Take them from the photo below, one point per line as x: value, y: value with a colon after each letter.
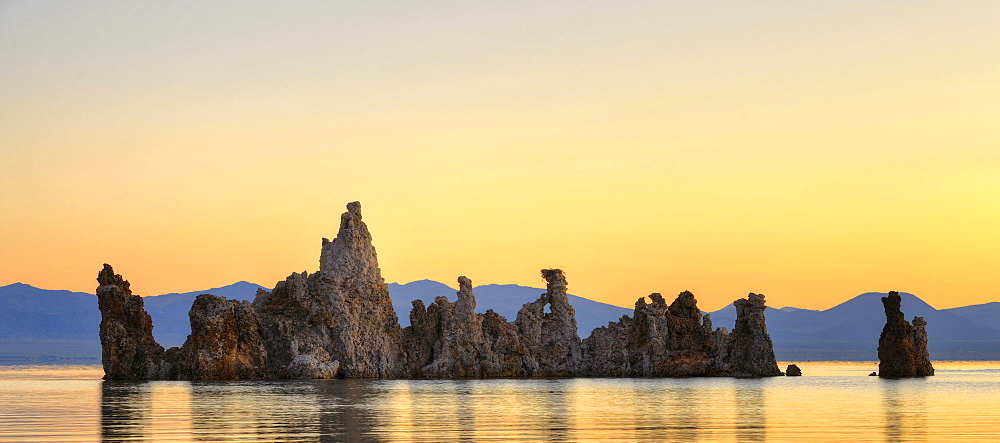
x: 37, y: 321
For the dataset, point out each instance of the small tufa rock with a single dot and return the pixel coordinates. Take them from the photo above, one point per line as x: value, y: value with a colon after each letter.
x: 793, y: 371
x: 225, y: 342
x: 128, y: 350
x: 551, y: 337
x: 902, y: 348
x: 751, y: 353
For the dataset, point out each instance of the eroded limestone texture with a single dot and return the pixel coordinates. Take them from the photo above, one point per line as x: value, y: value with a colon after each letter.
x: 338, y: 321
x: 128, y: 350
x: 224, y: 344
x: 750, y: 351
x: 657, y: 341
x: 449, y: 340
x: 902, y: 348
x: 551, y: 336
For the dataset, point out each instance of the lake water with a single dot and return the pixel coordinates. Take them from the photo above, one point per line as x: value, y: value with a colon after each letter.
x: 833, y: 401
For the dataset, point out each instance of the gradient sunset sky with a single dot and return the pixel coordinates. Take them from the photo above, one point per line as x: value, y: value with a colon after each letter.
x: 810, y: 151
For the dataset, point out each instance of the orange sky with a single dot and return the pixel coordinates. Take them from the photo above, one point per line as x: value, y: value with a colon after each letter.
x: 807, y: 151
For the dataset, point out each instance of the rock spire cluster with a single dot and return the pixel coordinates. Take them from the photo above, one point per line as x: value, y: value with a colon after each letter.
x: 339, y: 323
x: 902, y: 347
x: 224, y: 344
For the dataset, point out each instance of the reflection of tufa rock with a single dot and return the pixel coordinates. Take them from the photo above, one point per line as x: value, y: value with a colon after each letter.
x: 902, y: 348
x: 339, y: 322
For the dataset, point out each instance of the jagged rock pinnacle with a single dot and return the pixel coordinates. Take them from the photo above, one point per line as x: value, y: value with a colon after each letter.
x: 551, y: 337
x: 751, y: 353
x: 338, y: 322
x: 128, y: 350
x: 902, y: 348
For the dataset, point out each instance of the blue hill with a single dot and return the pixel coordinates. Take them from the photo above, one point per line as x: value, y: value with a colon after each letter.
x: 36, y: 322
x: 986, y: 314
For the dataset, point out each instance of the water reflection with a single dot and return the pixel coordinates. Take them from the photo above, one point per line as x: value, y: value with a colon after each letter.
x: 554, y: 400
x: 682, y: 415
x: 534, y: 410
x: 958, y: 404
x: 341, y: 418
x: 324, y: 410
x: 751, y: 412
x: 473, y: 410
x: 125, y: 411
x: 905, y: 410
x: 426, y: 410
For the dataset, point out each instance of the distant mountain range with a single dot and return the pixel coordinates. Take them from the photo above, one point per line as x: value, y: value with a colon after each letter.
x: 850, y: 330
x: 39, y: 324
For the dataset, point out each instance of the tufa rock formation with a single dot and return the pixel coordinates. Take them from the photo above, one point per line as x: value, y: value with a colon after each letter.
x: 128, y: 350
x: 793, y: 371
x: 551, y: 336
x: 225, y: 342
x: 449, y: 340
x: 902, y: 348
x: 750, y: 352
x: 339, y: 322
x: 658, y: 341
x: 676, y: 341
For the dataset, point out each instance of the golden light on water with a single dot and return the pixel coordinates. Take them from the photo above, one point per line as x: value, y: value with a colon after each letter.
x: 832, y: 401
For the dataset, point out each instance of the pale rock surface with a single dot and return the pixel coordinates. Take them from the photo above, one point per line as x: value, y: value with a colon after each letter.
x: 340, y: 317
x: 449, y: 340
x: 551, y: 337
x: 225, y: 342
x: 339, y: 322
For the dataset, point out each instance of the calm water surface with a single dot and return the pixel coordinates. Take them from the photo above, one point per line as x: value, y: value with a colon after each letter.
x: 832, y: 402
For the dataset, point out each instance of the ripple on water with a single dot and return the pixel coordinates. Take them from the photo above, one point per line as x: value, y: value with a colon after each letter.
x: 831, y: 402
